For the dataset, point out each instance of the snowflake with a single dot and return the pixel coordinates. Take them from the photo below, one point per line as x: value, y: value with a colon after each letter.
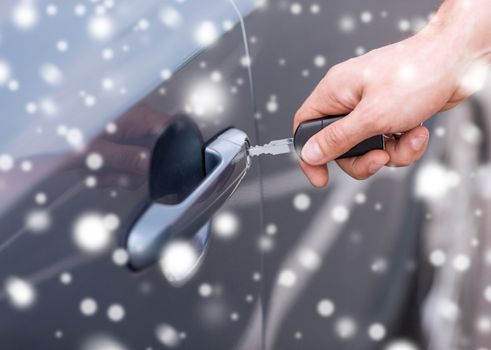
x: 325, y: 308
x: 107, y: 84
x: 92, y: 233
x: 170, y: 17
x: 101, y: 27
x: 287, y: 278
x: 345, y: 327
x: 66, y: 278
x: 6, y: 162
x: 178, y: 261
x: 40, y: 198
x: 461, y: 262
x: 226, y: 225
x: 404, y: 25
x: 80, y: 10
x: 309, y: 259
x: 360, y: 198
x: 272, y: 104
x: 5, y: 72
x: 340, y: 213
x: 347, y: 24
x: 25, y: 15
x: 94, y: 161
x: 377, y: 331
x: 205, y: 99
x: 315, y: 8
x: 400, y: 345
x: 296, y: 8
x: 120, y: 257
x: 438, y: 257
x: 205, y: 290
x: 21, y: 293
x: 366, y: 17
x: 271, y: 229
x: 265, y: 244
x: 167, y: 335
x: 302, y: 202
x: 433, y: 181
x: 116, y: 312
x: 51, y: 10
x: 206, y: 33
x: 88, y: 307
x: 62, y: 45
x: 319, y: 61
x: 38, y: 221
x: 102, y: 342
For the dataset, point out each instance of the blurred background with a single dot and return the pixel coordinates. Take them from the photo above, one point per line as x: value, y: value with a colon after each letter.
x: 87, y: 91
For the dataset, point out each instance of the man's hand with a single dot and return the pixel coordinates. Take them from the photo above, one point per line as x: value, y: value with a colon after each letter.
x: 389, y: 90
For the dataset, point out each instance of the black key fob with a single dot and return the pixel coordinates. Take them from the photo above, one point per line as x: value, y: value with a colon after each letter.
x: 308, y: 129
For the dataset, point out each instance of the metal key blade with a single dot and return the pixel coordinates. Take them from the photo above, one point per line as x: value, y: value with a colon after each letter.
x: 273, y: 148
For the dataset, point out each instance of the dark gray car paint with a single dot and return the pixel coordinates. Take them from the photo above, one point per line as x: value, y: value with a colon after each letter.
x: 148, y: 299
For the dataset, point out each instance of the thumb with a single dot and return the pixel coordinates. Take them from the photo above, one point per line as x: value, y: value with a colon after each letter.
x: 338, y: 138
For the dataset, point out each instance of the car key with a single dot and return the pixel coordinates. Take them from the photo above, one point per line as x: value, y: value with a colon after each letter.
x: 308, y: 129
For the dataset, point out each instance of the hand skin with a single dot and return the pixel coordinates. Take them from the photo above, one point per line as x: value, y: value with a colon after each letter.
x: 395, y: 89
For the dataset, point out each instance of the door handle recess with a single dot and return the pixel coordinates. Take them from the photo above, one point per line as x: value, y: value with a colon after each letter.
x: 226, y: 163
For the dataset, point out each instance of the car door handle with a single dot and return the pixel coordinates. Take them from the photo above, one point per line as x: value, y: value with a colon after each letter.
x: 226, y: 164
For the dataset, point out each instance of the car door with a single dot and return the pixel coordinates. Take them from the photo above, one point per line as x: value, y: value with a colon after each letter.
x: 112, y: 131
x: 340, y: 266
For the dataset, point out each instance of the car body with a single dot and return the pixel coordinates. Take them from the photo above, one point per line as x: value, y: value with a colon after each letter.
x: 114, y: 110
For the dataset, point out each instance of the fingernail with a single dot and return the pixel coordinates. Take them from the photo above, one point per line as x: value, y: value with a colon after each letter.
x: 374, y: 167
x: 418, y: 142
x: 311, y: 152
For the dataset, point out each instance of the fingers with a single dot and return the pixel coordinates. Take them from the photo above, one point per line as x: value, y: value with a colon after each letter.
x: 402, y: 152
x: 364, y: 166
x: 342, y: 135
x: 340, y: 92
x: 317, y: 175
x: 409, y: 148
x: 339, y: 137
x: 344, y: 90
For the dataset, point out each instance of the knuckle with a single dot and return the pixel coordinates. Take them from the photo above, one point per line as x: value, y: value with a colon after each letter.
x: 334, y: 71
x: 381, y: 125
x: 385, y: 127
x: 373, y: 120
x: 333, y: 136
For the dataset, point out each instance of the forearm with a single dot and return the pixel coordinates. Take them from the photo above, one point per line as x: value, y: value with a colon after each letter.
x: 466, y: 25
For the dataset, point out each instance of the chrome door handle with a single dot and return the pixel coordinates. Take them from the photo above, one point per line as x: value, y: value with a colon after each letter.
x: 226, y: 163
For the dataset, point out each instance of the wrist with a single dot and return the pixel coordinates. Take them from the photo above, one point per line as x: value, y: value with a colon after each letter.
x: 464, y: 26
